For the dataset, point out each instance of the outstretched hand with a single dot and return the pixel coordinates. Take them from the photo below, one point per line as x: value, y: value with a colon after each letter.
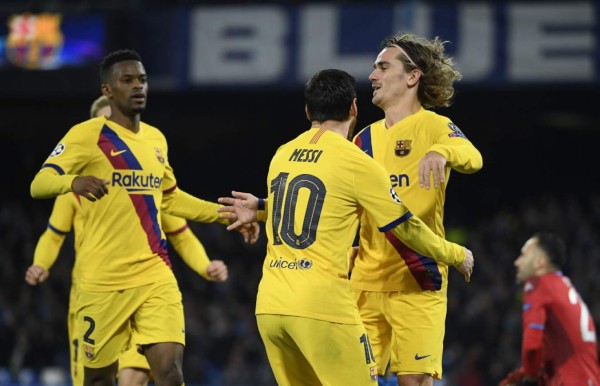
x: 466, y: 267
x: 90, y: 187
x: 36, y: 275
x: 240, y: 209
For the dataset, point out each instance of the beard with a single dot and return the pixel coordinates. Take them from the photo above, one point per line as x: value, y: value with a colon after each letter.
x: 138, y: 109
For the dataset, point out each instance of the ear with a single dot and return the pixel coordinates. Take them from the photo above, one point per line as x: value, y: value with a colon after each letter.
x: 106, y: 91
x: 412, y: 78
x: 307, y: 114
x: 354, y: 109
x: 541, y: 261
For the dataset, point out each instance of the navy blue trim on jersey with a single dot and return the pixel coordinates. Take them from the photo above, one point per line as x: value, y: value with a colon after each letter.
x: 56, y: 230
x: 363, y: 141
x: 397, y: 222
x: 55, y: 167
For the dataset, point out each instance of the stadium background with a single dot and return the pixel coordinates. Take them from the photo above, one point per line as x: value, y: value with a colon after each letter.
x: 528, y: 102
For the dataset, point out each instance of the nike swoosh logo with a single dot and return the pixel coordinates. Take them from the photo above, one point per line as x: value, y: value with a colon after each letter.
x: 418, y: 358
x: 115, y: 153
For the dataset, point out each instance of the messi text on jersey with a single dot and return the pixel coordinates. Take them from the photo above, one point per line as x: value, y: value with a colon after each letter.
x: 306, y: 155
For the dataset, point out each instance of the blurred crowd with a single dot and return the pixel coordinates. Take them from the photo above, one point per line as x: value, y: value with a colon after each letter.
x: 483, y: 326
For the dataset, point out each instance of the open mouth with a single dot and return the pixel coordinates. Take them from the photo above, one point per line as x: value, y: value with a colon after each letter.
x: 139, y: 98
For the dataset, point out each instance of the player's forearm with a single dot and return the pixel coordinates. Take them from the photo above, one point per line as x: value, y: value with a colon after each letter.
x: 48, y: 184
x: 464, y: 157
x: 47, y: 249
x: 421, y: 239
x: 191, y: 251
x: 181, y: 204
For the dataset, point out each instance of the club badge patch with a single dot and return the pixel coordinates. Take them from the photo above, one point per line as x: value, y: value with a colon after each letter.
x: 159, y: 155
x: 455, y: 131
x: 373, y: 373
x: 403, y: 147
x: 58, y: 150
x: 89, y: 351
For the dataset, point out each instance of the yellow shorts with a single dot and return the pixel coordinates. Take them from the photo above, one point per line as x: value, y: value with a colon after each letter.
x: 105, y: 320
x: 132, y: 359
x: 406, y: 330
x: 304, y: 351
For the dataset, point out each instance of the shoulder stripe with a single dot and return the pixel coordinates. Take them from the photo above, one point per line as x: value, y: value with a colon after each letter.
x: 55, y: 167
x: 317, y: 136
x: 363, y: 141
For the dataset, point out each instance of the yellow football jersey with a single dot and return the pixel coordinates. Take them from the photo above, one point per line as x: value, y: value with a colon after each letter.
x: 399, y: 149
x: 318, y: 184
x: 122, y: 243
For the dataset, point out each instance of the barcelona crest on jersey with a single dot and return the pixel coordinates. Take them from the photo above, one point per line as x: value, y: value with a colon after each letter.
x: 403, y: 147
x: 159, y: 155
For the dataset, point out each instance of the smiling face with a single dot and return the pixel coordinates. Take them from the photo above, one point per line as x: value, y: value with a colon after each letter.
x: 388, y: 79
x: 127, y: 87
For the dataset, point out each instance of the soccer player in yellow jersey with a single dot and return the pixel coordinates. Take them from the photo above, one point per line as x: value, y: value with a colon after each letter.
x: 402, y: 295
x: 66, y: 216
x: 120, y: 166
x: 319, y: 184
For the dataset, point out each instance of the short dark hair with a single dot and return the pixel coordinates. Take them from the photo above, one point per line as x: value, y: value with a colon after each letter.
x: 114, y: 57
x: 554, y: 246
x: 329, y: 95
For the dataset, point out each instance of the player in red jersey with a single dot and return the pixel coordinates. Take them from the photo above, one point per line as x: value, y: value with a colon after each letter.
x: 559, y: 336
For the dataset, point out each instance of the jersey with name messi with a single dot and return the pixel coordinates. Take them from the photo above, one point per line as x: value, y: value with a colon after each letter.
x: 318, y: 184
x: 122, y: 244
x: 400, y: 149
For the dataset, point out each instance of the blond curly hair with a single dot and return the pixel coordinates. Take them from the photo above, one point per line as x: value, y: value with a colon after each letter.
x: 98, y: 104
x: 438, y: 72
